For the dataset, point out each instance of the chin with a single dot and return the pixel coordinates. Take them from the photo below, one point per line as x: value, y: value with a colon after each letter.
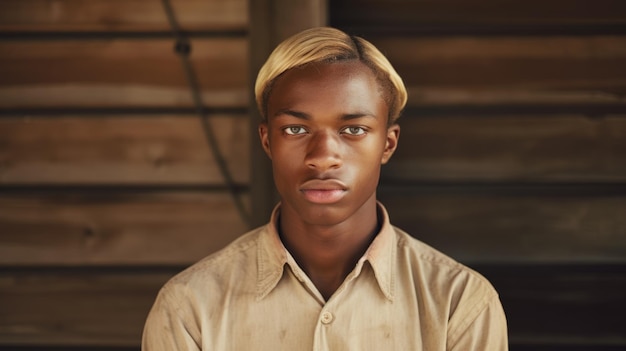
x: 324, y: 215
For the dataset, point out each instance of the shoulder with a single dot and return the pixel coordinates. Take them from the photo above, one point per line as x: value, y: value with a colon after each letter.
x: 468, y: 296
x: 458, y: 282
x: 432, y: 260
x: 234, y: 261
x: 201, y: 289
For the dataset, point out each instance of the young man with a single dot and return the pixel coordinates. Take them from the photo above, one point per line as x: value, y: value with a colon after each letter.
x: 329, y: 271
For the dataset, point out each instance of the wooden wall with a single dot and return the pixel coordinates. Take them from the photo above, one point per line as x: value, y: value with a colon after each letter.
x: 108, y: 185
x: 512, y: 154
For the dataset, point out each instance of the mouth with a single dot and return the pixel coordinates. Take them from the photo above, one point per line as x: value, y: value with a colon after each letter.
x: 323, y: 191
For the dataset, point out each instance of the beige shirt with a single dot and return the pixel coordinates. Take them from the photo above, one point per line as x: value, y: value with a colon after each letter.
x: 402, y: 295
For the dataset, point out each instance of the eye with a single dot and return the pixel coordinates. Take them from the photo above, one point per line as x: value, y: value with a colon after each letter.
x: 354, y: 130
x: 294, y: 130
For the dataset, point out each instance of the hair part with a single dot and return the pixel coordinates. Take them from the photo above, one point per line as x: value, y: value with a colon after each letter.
x: 328, y: 45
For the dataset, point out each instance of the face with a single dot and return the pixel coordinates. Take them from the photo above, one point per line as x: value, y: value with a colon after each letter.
x: 327, y: 137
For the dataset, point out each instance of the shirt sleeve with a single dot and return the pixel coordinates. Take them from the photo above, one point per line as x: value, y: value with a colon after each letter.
x: 486, y: 332
x: 169, y: 327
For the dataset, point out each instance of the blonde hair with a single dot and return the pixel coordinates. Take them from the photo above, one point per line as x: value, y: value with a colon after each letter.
x: 325, y: 44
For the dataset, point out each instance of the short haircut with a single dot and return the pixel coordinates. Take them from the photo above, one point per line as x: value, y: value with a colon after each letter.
x: 327, y: 45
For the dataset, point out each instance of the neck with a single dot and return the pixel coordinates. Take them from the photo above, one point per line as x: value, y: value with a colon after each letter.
x: 328, y: 253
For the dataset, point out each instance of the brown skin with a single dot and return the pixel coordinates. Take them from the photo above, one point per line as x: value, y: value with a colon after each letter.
x: 327, y: 136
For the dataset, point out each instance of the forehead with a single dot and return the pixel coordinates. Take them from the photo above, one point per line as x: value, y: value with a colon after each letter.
x: 344, y: 86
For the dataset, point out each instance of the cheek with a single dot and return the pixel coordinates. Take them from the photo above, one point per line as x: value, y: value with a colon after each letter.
x: 284, y: 161
x: 367, y: 163
x: 376, y: 152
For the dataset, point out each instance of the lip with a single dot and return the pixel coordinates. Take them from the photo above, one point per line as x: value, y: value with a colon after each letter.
x: 323, y: 191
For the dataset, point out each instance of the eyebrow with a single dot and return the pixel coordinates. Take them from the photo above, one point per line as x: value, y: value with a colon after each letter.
x: 297, y: 114
x: 305, y: 116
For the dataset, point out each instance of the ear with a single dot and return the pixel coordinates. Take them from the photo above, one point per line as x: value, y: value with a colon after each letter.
x: 393, y: 135
x: 265, y: 139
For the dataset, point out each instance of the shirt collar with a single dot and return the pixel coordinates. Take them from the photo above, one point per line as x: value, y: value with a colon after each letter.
x: 272, y: 256
x: 382, y: 253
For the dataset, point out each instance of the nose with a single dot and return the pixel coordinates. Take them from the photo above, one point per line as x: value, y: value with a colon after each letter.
x: 324, y: 152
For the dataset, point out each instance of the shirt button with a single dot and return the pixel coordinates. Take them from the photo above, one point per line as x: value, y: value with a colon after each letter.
x: 327, y: 317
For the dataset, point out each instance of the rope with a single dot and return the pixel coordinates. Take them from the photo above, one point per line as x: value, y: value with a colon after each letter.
x: 183, y: 49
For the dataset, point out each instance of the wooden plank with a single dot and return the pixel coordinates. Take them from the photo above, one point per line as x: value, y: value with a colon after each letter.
x: 114, y: 227
x: 562, y: 305
x: 120, y: 73
x: 120, y: 15
x: 476, y: 16
x: 510, y: 70
x: 123, y: 149
x: 564, y: 346
x: 545, y: 304
x: 80, y: 348
x: 491, y: 227
x: 509, y: 148
x: 76, y: 307
x: 117, y: 228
